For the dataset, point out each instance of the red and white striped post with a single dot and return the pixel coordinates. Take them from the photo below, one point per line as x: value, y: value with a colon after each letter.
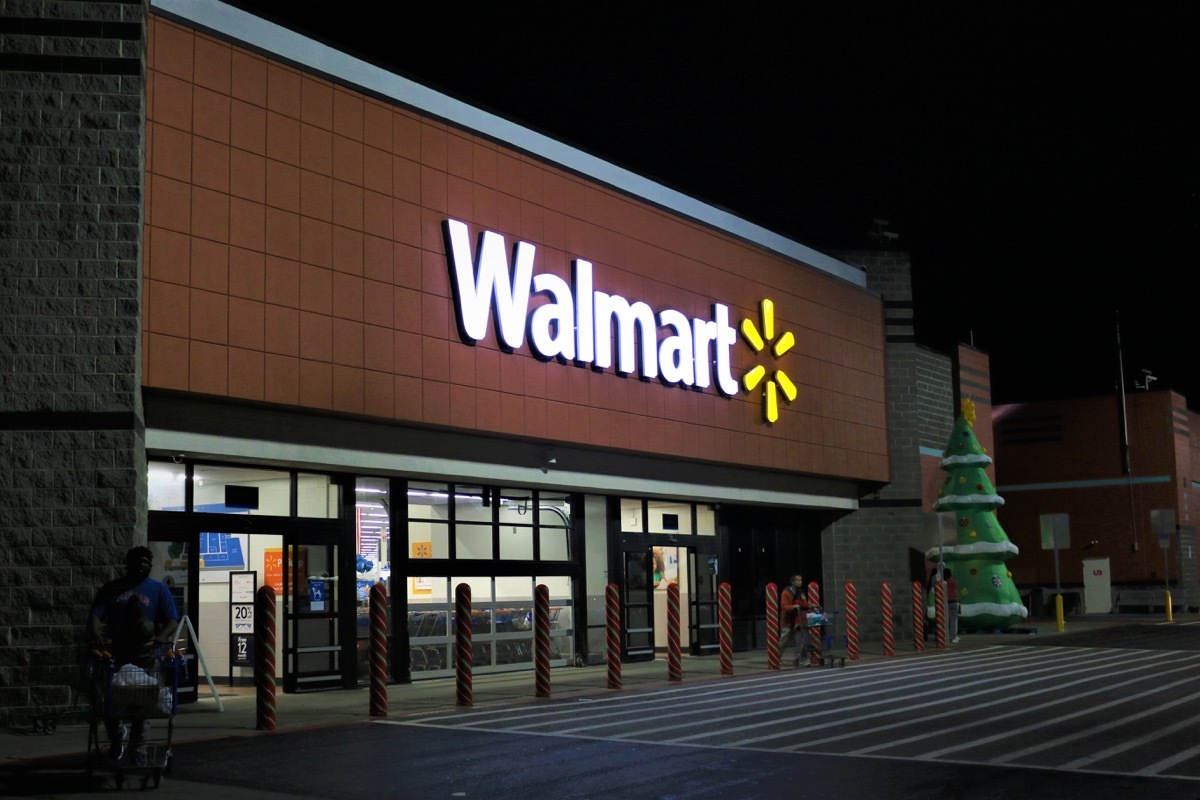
x: 674, y: 658
x: 939, y: 595
x: 725, y: 618
x: 851, y: 621
x: 772, y: 626
x: 379, y: 651
x: 814, y: 632
x: 889, y: 638
x: 918, y: 612
x: 464, y: 654
x: 612, y: 624
x: 541, y: 640
x: 264, y: 659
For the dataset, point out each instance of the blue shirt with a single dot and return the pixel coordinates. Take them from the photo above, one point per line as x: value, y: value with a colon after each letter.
x: 132, y: 614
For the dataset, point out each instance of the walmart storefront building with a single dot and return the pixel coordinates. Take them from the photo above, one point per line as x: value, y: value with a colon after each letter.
x: 299, y: 322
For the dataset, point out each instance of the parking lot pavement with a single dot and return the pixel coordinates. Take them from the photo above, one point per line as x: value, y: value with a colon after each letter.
x: 238, y: 712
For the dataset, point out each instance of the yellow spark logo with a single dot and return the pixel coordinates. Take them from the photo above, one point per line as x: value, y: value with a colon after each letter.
x: 778, y: 381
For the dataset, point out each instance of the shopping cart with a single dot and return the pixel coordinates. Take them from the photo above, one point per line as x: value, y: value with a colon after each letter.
x: 124, y: 698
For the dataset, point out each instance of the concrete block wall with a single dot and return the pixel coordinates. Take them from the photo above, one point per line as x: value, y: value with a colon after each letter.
x: 872, y: 545
x: 72, y: 459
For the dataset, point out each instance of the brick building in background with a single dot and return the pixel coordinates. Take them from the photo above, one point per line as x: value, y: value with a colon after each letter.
x: 1067, y: 457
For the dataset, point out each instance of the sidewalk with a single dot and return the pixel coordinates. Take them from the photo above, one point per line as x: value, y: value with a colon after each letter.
x: 202, y: 720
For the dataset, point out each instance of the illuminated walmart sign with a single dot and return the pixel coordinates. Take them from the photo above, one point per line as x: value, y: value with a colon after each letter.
x: 578, y: 323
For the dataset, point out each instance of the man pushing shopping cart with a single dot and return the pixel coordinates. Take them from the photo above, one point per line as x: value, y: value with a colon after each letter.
x: 131, y: 624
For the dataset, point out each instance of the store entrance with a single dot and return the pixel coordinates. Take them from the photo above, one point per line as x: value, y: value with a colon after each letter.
x: 703, y: 620
x: 320, y: 632
x: 648, y: 572
x: 637, y: 608
x: 217, y: 591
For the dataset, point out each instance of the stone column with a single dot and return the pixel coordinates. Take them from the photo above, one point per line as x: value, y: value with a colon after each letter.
x: 72, y: 455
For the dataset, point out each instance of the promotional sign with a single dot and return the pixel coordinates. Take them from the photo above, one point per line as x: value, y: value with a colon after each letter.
x: 241, y: 650
x: 242, y: 587
x: 422, y: 584
x: 273, y: 569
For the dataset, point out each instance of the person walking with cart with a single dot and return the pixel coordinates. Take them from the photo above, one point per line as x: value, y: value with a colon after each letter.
x: 951, y: 606
x: 130, y: 616
x: 793, y: 619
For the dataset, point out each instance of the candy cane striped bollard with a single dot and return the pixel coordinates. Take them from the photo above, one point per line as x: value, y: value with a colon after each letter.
x: 939, y: 595
x: 725, y: 618
x: 772, y: 626
x: 464, y: 654
x: 918, y: 612
x: 674, y: 658
x: 814, y: 632
x: 612, y: 626
x: 379, y: 651
x: 264, y: 659
x: 851, y: 621
x: 541, y: 637
x: 889, y: 639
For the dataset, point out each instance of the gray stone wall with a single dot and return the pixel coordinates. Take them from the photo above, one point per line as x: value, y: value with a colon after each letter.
x: 873, y: 544
x: 72, y: 456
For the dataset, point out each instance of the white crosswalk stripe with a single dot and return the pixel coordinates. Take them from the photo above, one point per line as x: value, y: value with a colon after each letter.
x: 1070, y: 708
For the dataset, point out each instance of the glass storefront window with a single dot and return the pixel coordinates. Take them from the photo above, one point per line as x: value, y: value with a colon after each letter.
x: 562, y: 621
x: 516, y: 542
x: 516, y: 524
x: 171, y: 567
x: 670, y: 518
x: 429, y: 501
x: 316, y: 496
x: 554, y: 544
x: 472, y: 504
x: 473, y: 541
x: 554, y: 522
x: 372, y: 560
x: 241, y: 490
x: 430, y: 609
x: 631, y: 515
x: 428, y: 539
x: 166, y: 486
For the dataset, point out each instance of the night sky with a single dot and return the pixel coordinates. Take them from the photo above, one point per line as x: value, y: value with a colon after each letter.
x: 1040, y: 164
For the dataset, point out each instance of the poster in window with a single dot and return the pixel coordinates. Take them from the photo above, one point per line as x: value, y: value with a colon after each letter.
x: 273, y: 569
x: 422, y: 585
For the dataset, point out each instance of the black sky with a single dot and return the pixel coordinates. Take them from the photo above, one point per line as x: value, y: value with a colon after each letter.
x: 1039, y: 162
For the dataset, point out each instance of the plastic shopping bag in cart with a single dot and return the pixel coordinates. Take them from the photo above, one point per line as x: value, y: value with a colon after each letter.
x: 166, y: 701
x: 130, y: 675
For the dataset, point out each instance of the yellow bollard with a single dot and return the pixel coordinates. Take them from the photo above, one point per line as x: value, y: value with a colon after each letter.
x: 1058, y: 613
x: 1167, y: 603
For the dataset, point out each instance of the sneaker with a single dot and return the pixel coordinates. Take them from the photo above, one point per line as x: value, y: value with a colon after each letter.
x: 135, y: 759
x: 954, y: 640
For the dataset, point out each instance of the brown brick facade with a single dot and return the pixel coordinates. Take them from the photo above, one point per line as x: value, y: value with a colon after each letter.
x: 295, y: 256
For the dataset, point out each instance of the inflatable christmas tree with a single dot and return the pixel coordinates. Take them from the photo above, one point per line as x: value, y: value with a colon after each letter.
x: 987, y: 596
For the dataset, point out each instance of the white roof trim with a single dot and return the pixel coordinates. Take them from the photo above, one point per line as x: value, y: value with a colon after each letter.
x: 235, y: 24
